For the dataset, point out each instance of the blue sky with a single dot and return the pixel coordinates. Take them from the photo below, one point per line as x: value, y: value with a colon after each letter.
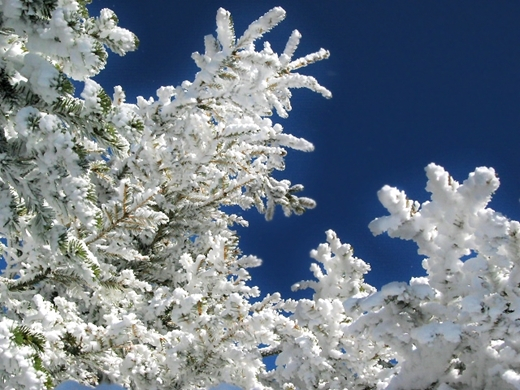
x: 412, y: 82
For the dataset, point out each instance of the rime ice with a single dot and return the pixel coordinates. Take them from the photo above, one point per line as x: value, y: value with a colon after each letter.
x: 122, y: 266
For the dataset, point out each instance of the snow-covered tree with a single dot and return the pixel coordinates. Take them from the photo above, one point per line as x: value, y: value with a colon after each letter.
x: 122, y: 266
x: 120, y: 263
x: 457, y: 328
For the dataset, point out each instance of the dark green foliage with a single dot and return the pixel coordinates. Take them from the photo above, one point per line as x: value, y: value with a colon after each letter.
x: 71, y: 345
x: 8, y: 95
x: 77, y: 249
x: 82, y: 154
x: 37, y: 11
x: 104, y: 101
x: 100, y: 52
x: 64, y: 85
x: 67, y: 108
x: 83, y: 7
x: 24, y: 284
x: 136, y: 124
x: 112, y: 284
x: 22, y: 335
x: 38, y: 365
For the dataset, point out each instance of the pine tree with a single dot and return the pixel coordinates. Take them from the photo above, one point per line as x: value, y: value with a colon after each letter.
x: 122, y: 265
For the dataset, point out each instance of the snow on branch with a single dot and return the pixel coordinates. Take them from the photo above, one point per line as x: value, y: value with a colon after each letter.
x: 121, y: 261
x: 122, y: 265
x: 260, y: 26
x: 456, y: 328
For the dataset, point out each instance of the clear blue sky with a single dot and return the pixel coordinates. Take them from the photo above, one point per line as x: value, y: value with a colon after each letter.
x: 413, y: 83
